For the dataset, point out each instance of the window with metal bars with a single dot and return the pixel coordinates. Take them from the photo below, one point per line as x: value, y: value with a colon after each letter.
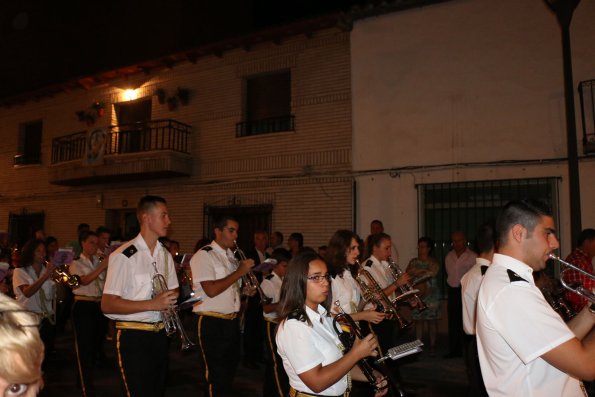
x: 464, y: 206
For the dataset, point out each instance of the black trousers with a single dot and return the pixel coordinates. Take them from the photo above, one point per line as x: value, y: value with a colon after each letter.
x: 476, y: 386
x: 90, y: 326
x: 276, y: 382
x: 143, y: 361
x: 219, y: 352
x: 47, y: 332
x: 253, y: 342
x: 455, y: 321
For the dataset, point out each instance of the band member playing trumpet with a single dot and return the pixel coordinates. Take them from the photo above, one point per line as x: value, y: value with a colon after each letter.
x: 216, y: 275
x: 525, y: 348
x: 307, y: 343
x: 129, y: 299
x: 35, y: 290
x: 90, y: 324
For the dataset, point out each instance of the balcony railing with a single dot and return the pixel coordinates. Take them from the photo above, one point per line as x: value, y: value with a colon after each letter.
x: 126, y: 138
x: 266, y: 126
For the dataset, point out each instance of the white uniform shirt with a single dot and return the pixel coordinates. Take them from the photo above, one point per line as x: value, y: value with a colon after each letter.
x: 469, y: 289
x: 83, y: 266
x: 42, y: 300
x: 303, y: 347
x: 130, y: 275
x: 215, y: 263
x: 380, y: 271
x: 515, y: 327
x: 457, y: 266
x: 346, y: 291
x: 271, y: 286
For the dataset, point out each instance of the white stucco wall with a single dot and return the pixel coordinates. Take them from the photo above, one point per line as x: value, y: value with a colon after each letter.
x: 463, y: 82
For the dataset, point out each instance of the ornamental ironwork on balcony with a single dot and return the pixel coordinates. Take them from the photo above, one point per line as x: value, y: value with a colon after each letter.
x: 266, y: 126
x: 157, y: 148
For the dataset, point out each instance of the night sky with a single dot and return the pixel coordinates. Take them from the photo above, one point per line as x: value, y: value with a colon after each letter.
x: 49, y: 42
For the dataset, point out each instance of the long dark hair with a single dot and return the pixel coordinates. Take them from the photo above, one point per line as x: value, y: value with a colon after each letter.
x: 292, y: 303
x: 28, y: 255
x: 336, y: 255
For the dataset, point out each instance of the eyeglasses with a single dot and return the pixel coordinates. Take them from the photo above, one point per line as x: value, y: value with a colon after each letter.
x: 318, y: 278
x: 33, y: 318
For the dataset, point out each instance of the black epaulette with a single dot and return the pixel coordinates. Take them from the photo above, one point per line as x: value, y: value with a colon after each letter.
x: 484, y: 269
x: 206, y: 248
x: 270, y: 276
x: 296, y: 315
x: 514, y: 277
x: 369, y: 262
x: 128, y: 252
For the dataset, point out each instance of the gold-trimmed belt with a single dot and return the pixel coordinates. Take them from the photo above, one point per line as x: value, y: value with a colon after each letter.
x: 229, y: 316
x: 136, y: 325
x: 87, y: 298
x: 295, y: 393
x: 272, y: 320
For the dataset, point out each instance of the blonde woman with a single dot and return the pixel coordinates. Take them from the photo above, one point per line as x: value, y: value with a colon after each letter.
x: 21, y: 350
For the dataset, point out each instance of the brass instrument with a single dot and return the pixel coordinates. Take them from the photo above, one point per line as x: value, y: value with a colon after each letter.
x: 348, y: 338
x: 407, y: 288
x: 557, y: 302
x: 371, y: 292
x: 170, y: 317
x: 576, y: 288
x: 61, y: 275
x: 249, y: 279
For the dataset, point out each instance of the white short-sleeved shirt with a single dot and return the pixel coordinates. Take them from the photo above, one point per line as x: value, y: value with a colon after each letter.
x: 303, y: 347
x: 83, y: 266
x: 515, y: 327
x: 457, y: 266
x: 214, y: 263
x: 42, y: 300
x: 346, y: 291
x: 380, y: 271
x: 469, y: 289
x: 271, y: 286
x: 130, y: 274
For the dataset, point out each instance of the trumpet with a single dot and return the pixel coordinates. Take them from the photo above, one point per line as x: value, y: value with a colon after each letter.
x: 61, y: 275
x: 576, y: 288
x: 407, y: 289
x: 371, y: 292
x: 170, y: 317
x: 249, y: 279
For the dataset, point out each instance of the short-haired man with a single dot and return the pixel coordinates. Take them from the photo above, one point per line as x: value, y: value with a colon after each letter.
x: 525, y: 348
x: 295, y: 242
x: 582, y: 257
x: 128, y: 298
x: 457, y: 262
x: 216, y: 275
x: 469, y: 289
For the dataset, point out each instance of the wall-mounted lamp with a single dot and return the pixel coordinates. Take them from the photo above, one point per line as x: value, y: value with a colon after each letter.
x: 99, y: 200
x: 130, y: 95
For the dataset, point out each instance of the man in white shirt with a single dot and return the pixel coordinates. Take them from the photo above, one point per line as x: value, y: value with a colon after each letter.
x: 470, y: 288
x: 525, y: 349
x: 216, y: 275
x: 457, y: 262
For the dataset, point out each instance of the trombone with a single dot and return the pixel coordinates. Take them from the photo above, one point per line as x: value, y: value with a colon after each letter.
x: 577, y: 288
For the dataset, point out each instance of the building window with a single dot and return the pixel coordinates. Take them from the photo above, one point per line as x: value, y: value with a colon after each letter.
x: 267, y: 105
x: 464, y: 206
x: 587, y: 95
x: 29, y: 150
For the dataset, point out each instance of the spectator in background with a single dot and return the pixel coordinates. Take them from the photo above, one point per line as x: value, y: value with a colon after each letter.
x: 457, y: 262
x: 582, y: 257
x: 276, y: 241
x: 376, y: 227
x: 295, y: 242
x: 76, y: 246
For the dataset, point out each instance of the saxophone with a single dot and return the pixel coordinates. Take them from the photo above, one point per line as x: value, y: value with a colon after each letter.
x: 371, y: 292
x: 406, y: 289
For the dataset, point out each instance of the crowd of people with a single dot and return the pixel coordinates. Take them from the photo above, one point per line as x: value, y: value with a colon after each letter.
x: 285, y: 307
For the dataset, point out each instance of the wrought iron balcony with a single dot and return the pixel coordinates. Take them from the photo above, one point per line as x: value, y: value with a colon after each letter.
x: 158, y: 148
x: 266, y: 126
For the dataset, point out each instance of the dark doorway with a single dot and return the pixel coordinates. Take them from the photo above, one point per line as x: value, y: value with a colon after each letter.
x: 134, y: 133
x: 22, y: 226
x: 250, y: 218
x: 123, y: 223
